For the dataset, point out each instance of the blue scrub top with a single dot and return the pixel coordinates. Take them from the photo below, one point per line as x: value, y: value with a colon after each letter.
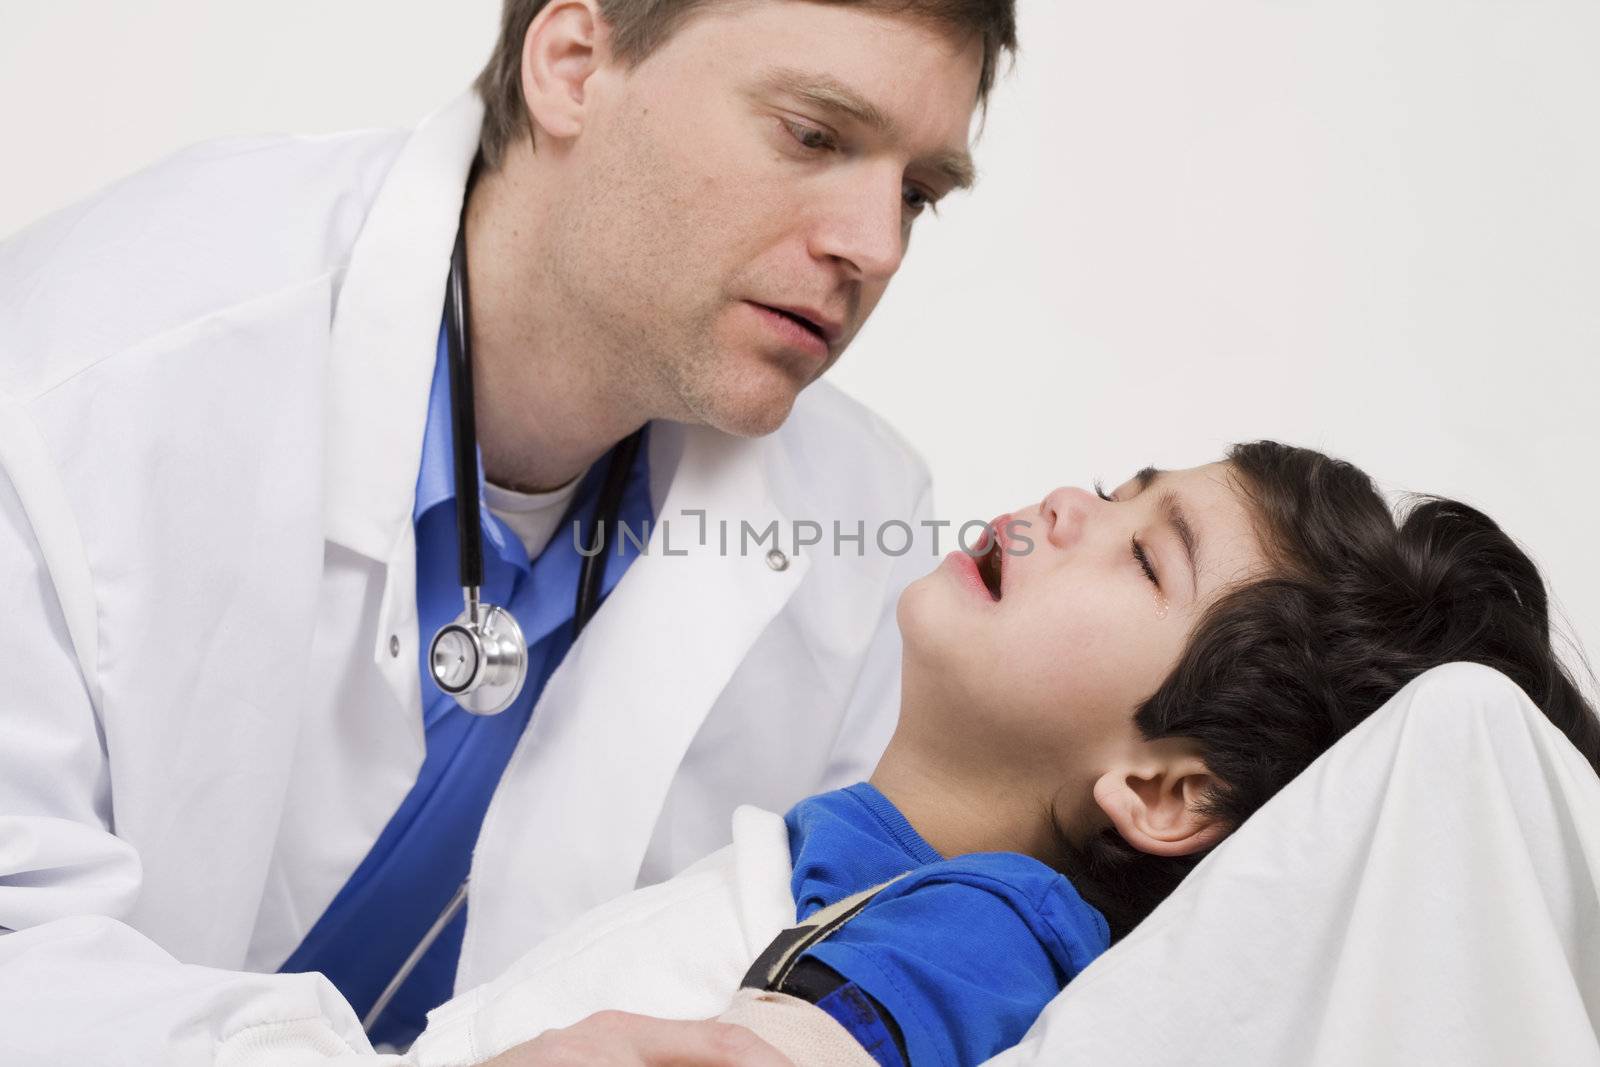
x: 963, y: 953
x: 423, y: 854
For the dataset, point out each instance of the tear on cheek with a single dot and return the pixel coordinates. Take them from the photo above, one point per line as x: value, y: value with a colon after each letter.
x: 1163, y: 606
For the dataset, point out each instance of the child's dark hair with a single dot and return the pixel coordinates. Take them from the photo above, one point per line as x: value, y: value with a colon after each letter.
x: 1356, y: 606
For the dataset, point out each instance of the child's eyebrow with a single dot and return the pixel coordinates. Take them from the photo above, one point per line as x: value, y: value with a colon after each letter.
x: 1186, y: 536
x: 1172, y: 512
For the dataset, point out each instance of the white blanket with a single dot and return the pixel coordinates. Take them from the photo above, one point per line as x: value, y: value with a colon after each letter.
x: 1427, y: 892
x: 676, y: 951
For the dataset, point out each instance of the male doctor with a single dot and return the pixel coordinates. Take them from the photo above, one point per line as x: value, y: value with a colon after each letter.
x: 233, y: 801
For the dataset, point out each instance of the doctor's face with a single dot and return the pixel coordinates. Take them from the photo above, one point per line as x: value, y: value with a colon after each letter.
x: 1041, y: 661
x: 750, y: 189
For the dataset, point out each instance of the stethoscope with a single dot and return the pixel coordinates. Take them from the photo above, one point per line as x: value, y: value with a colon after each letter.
x: 481, y: 658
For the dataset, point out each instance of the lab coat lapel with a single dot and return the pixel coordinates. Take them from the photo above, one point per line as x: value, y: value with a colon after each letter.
x: 579, y: 802
x: 385, y: 329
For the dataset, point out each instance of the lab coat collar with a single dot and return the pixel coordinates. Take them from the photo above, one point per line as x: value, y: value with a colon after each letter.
x: 385, y: 328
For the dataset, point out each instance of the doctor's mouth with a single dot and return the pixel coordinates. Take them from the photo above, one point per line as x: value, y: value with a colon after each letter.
x: 693, y: 529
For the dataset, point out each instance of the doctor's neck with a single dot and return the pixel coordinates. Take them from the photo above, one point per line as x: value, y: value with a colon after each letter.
x: 550, y: 395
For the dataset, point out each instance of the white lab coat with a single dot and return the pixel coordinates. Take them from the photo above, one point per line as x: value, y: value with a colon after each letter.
x: 212, y: 384
x: 676, y: 950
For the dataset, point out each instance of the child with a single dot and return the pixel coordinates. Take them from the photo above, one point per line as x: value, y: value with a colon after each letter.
x: 1087, y: 709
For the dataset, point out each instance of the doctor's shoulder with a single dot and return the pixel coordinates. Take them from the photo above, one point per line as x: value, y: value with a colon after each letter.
x: 211, y: 227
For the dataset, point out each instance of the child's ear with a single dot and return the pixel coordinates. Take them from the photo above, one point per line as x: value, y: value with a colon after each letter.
x: 1153, y: 799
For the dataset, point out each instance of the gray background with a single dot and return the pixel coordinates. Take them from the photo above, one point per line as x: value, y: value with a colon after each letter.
x: 1368, y: 226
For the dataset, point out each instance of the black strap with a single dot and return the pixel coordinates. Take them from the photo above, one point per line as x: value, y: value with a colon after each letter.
x: 772, y: 967
x: 812, y: 980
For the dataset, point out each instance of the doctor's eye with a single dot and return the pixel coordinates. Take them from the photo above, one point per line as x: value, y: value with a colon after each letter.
x: 917, y: 199
x: 810, y: 137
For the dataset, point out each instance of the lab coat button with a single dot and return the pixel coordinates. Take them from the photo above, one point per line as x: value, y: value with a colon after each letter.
x: 777, y: 560
x: 394, y: 645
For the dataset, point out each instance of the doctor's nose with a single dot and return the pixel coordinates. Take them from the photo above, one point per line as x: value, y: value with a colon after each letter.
x: 863, y: 227
x: 1065, y: 511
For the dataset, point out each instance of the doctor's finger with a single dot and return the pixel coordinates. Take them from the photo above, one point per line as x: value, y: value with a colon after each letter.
x: 714, y: 1044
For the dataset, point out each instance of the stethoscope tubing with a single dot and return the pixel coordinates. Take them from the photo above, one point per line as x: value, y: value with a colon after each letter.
x: 463, y: 418
x: 457, y: 901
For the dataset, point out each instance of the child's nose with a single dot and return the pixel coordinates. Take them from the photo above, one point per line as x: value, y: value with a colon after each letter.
x: 1065, y: 511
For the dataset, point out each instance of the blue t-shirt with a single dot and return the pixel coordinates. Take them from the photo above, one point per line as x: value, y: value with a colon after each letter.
x: 964, y: 953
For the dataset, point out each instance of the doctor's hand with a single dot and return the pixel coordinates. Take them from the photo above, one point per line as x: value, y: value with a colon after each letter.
x: 618, y: 1039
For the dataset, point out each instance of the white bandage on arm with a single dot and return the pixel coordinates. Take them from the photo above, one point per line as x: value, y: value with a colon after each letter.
x: 809, y: 1036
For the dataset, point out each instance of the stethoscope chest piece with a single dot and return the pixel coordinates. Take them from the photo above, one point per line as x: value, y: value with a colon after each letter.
x: 480, y: 659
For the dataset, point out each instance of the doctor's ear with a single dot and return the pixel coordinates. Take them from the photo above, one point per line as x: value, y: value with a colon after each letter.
x: 566, y: 43
x: 1154, y: 800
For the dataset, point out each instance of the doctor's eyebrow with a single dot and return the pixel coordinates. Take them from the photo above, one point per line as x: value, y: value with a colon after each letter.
x: 1172, y: 512
x: 833, y: 96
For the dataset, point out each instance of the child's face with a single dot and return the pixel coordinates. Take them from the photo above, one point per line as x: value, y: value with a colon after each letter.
x: 1089, y: 622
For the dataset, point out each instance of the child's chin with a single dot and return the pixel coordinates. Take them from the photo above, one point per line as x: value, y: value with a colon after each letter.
x: 931, y: 626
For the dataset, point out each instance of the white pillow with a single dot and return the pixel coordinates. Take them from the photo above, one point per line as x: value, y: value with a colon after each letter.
x: 1426, y: 892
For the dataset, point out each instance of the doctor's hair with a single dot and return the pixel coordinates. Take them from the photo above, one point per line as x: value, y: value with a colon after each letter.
x: 640, y: 27
x: 1355, y: 605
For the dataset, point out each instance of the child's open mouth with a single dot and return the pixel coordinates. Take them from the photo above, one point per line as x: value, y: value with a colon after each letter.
x: 989, y: 567
x: 991, y: 562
